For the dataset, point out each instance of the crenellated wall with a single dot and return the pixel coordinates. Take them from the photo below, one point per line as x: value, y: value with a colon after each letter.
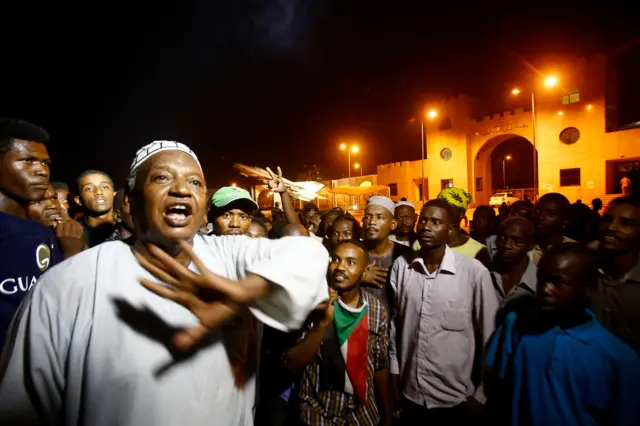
x: 471, y: 140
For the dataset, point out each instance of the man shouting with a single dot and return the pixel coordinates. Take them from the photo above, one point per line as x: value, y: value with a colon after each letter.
x: 94, y: 347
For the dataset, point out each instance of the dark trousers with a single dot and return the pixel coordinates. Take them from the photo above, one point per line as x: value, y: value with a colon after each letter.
x: 417, y: 415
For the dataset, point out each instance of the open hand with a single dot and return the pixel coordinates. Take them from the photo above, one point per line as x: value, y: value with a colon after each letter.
x: 211, y: 298
x: 276, y: 183
x: 375, y: 276
x: 70, y: 234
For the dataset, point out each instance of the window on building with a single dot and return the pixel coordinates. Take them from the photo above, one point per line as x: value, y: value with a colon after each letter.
x: 393, y: 189
x: 570, y: 177
x: 570, y: 135
x: 478, y: 184
x: 446, y: 183
x: 571, y: 98
x: 445, y: 124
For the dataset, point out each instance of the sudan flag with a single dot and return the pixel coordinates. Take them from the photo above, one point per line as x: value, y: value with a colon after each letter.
x: 345, y: 351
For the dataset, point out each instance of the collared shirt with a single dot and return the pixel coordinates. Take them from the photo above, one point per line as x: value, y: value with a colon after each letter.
x: 92, y: 345
x: 527, y: 287
x: 442, y: 320
x: 577, y: 376
x: 537, y: 252
x: 616, y: 303
x: 329, y: 407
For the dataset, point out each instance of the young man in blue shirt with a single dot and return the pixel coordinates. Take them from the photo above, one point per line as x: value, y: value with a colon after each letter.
x: 27, y: 249
x: 552, y: 363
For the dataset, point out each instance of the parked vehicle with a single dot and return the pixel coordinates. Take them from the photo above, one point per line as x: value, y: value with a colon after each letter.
x: 502, y: 197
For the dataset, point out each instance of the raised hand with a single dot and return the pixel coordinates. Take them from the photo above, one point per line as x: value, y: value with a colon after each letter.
x: 276, y: 183
x: 211, y: 298
x: 375, y: 275
x: 328, y: 312
x: 70, y: 234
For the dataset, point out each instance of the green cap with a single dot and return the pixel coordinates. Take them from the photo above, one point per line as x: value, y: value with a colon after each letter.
x: 229, y: 194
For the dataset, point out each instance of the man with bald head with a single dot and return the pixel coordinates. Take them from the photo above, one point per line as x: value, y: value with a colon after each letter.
x: 513, y: 272
x: 294, y: 230
x: 92, y: 346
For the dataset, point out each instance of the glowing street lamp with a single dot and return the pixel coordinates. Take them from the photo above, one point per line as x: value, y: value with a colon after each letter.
x: 357, y: 166
x: 349, y: 149
x: 431, y: 114
x: 504, y: 169
x: 549, y: 82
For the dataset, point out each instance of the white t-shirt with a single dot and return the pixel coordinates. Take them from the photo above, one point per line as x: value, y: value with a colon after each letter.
x: 90, y: 345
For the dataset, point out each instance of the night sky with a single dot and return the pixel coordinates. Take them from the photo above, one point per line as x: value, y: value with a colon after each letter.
x: 274, y: 82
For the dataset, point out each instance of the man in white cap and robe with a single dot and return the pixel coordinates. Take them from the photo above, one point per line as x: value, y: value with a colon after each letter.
x: 157, y: 333
x: 379, y: 222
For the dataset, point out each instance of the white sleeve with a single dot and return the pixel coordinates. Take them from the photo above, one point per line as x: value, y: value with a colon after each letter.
x: 394, y: 367
x: 33, y: 362
x: 298, y: 268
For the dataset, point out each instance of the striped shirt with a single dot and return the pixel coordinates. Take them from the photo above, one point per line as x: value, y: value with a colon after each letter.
x: 329, y: 407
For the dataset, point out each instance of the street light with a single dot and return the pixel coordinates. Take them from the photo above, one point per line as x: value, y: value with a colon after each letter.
x: 357, y: 166
x: 350, y: 149
x: 504, y: 170
x: 549, y: 81
x: 431, y: 115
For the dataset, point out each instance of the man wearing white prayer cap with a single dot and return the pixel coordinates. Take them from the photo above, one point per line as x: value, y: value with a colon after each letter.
x: 406, y: 218
x: 158, y: 333
x: 378, y: 224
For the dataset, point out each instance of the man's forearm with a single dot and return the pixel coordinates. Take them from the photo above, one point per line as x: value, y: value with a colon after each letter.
x: 288, y: 209
x: 381, y: 381
x: 306, y: 350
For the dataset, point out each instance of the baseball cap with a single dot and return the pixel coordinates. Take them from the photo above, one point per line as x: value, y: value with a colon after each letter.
x: 228, y: 194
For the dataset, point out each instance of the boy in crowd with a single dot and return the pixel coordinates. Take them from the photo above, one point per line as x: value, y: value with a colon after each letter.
x: 95, y: 197
x: 552, y: 363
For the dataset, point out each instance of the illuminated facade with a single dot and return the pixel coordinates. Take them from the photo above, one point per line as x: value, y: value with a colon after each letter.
x: 577, y: 155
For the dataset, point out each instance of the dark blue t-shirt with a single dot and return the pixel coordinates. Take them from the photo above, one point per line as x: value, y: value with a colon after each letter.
x: 27, y: 249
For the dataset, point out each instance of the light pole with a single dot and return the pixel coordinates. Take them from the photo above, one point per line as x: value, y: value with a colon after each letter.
x: 504, y: 170
x: 357, y: 166
x: 549, y: 81
x: 350, y: 149
x: 431, y: 115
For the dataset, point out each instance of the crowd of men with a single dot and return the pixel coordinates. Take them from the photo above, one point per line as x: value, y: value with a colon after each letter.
x: 163, y: 304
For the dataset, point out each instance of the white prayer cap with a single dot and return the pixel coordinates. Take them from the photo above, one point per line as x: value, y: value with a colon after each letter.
x: 153, y: 148
x: 378, y: 200
x: 405, y: 203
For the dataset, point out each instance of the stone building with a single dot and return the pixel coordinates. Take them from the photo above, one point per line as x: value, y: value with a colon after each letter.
x: 581, y: 152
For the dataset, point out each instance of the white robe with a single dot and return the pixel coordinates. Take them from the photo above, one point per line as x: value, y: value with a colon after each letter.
x: 89, y: 346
